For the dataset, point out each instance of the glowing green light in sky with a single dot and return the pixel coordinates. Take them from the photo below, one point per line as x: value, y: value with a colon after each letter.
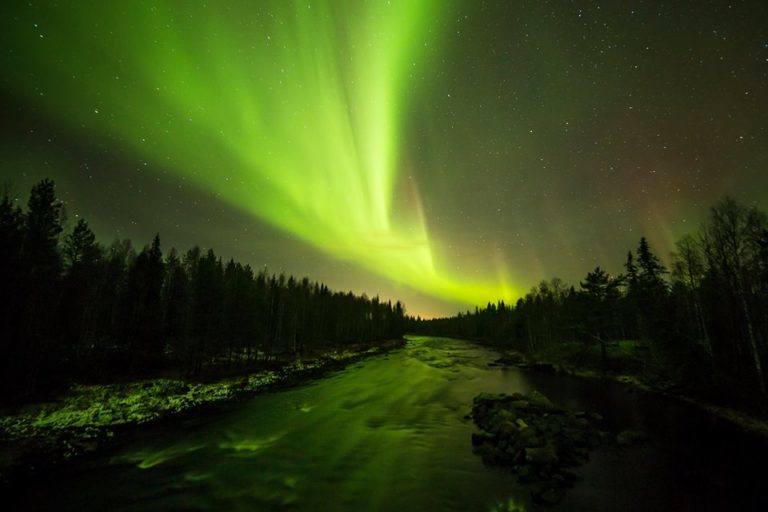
x: 288, y: 110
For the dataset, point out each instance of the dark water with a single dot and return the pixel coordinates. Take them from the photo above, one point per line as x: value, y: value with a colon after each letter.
x: 389, y: 434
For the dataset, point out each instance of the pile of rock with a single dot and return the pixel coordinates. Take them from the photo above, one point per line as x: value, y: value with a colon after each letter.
x: 534, y: 438
x: 517, y: 359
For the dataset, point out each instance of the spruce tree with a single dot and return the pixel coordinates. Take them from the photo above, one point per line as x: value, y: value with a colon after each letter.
x: 12, y: 277
x: 40, y: 356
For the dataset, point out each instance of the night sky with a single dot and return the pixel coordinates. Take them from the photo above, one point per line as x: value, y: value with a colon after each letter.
x: 443, y: 153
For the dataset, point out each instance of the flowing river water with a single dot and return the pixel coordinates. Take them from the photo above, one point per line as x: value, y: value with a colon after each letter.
x: 390, y: 433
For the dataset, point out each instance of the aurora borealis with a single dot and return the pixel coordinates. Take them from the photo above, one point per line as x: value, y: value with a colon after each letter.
x: 444, y: 153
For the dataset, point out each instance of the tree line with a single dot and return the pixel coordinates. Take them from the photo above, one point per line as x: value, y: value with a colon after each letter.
x: 702, y: 322
x: 76, y: 310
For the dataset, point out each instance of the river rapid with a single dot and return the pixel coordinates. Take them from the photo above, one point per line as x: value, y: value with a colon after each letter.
x: 390, y: 433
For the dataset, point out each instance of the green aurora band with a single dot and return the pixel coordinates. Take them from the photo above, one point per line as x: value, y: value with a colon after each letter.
x: 290, y: 111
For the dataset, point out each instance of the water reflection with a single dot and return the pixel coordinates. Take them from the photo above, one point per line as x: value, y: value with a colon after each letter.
x: 389, y: 433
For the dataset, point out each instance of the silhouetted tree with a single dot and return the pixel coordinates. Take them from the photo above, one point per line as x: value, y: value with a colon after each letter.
x: 704, y: 326
x: 176, y: 305
x: 143, y: 322
x: 732, y: 247
x: 601, y: 295
x: 43, y: 265
x: 82, y: 259
x: 81, y: 312
x: 13, y: 349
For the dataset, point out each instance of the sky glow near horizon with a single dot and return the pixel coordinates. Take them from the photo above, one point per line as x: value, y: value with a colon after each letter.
x: 291, y: 116
x: 446, y: 153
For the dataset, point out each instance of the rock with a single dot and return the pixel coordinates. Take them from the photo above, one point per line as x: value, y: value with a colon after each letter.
x: 631, y: 437
x: 581, y: 423
x: 488, y: 452
x: 544, y: 456
x: 549, y: 496
x: 579, y: 438
x: 538, y: 400
x: 509, y: 429
x: 534, y: 438
x: 89, y: 446
x: 497, y: 417
x: 525, y: 472
x: 528, y: 438
x: 519, y: 404
x: 480, y: 438
x: 485, y: 398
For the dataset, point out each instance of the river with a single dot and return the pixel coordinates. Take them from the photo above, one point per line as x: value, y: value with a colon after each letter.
x: 390, y: 433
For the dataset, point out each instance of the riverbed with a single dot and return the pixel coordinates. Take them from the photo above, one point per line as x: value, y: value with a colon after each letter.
x: 391, y: 433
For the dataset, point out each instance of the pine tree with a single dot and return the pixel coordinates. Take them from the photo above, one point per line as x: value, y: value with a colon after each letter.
x: 601, y: 292
x: 43, y: 227
x: 651, y: 270
x: 82, y: 312
x: 78, y: 306
x: 144, y: 326
x: 43, y: 263
x: 176, y: 305
x: 12, y: 277
x: 651, y: 293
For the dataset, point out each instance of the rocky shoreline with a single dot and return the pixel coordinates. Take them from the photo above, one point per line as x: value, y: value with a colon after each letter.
x: 745, y: 421
x: 89, y: 418
x: 539, y: 441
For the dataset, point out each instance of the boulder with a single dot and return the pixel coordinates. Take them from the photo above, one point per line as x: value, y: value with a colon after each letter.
x: 496, y: 418
x: 509, y: 429
x: 525, y: 472
x: 519, y: 404
x: 535, y: 439
x: 528, y: 437
x: 544, y: 456
x: 581, y: 423
x: 631, y: 437
x: 480, y: 438
x: 549, y: 495
x: 538, y: 400
x: 488, y: 399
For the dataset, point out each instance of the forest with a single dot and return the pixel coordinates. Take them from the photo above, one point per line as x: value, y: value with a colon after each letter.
x: 77, y: 311
x: 701, y: 324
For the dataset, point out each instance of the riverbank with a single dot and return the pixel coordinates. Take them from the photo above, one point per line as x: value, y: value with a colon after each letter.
x: 391, y: 433
x: 554, y: 362
x: 88, y: 418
